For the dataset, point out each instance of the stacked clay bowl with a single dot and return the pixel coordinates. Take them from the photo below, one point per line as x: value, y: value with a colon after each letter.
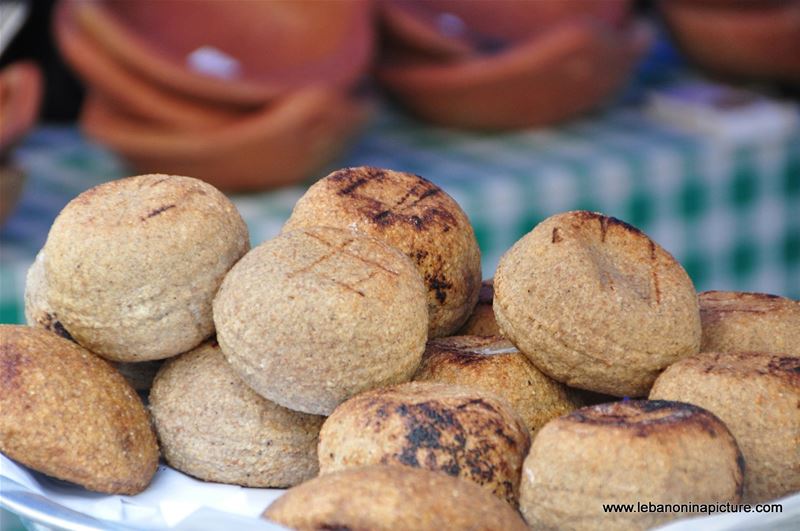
x: 505, y: 64
x: 20, y: 96
x: 747, y: 39
x: 245, y: 95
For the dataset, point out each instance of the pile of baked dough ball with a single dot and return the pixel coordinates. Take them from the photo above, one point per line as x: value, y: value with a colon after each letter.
x: 359, y: 360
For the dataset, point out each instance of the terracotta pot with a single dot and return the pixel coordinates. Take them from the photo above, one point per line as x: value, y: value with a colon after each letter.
x: 455, y: 28
x: 282, y: 144
x: 134, y: 93
x: 20, y: 96
x: 736, y: 40
x: 238, y: 51
x: 566, y: 70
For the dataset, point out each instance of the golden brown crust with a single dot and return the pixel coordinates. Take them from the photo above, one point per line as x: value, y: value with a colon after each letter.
x: 69, y: 414
x: 386, y: 498
x: 415, y: 216
x: 596, y: 304
x: 628, y: 452
x: 757, y: 396
x: 757, y: 322
x: 462, y: 432
x: 481, y: 321
x: 647, y: 417
x: 495, y: 365
x: 132, y: 265
x: 350, y: 314
x: 214, y: 427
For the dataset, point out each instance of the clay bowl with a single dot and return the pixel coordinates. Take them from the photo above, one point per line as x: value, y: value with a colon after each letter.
x: 282, y: 144
x: 20, y: 96
x: 451, y: 29
x: 565, y: 71
x: 128, y: 90
x: 740, y: 40
x: 236, y: 52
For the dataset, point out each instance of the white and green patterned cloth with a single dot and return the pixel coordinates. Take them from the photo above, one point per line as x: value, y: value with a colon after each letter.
x: 731, y: 215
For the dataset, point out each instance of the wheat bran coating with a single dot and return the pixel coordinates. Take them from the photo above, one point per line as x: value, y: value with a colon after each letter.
x: 758, y: 397
x: 214, y: 427
x: 596, y: 304
x: 481, y: 321
x: 749, y: 322
x: 627, y: 452
x: 318, y: 315
x: 39, y: 313
x: 382, y: 498
x: 132, y: 265
x: 463, y: 432
x: 69, y: 414
x: 495, y: 365
x: 415, y: 216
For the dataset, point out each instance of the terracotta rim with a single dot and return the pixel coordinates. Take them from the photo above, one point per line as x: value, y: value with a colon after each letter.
x: 131, y: 91
x: 346, y: 65
x: 561, y: 40
x: 132, y: 138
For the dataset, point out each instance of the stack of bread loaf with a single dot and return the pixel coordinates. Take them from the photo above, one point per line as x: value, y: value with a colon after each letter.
x: 336, y: 359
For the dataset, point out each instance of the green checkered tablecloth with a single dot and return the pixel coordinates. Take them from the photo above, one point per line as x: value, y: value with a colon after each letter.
x: 731, y: 215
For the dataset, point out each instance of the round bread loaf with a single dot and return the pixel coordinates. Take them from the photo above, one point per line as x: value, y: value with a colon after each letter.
x: 383, y: 498
x: 414, y: 215
x: 40, y: 314
x: 749, y: 322
x: 214, y: 427
x: 495, y: 365
x: 462, y: 432
x: 69, y: 414
x: 758, y: 397
x: 628, y: 452
x: 481, y: 321
x: 318, y: 315
x: 133, y: 265
x: 596, y: 304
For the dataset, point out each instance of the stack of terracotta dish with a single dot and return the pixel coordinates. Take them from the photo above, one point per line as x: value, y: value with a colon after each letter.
x: 751, y: 39
x: 20, y: 96
x: 246, y: 95
x: 492, y: 64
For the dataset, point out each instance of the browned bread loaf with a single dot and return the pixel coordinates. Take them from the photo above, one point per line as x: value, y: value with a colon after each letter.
x: 131, y: 266
x: 644, y: 451
x: 213, y: 426
x: 758, y: 397
x: 69, y: 414
x: 749, y: 322
x: 462, y: 432
x: 495, y: 365
x: 596, y: 304
x: 383, y: 498
x: 317, y: 315
x: 414, y: 215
